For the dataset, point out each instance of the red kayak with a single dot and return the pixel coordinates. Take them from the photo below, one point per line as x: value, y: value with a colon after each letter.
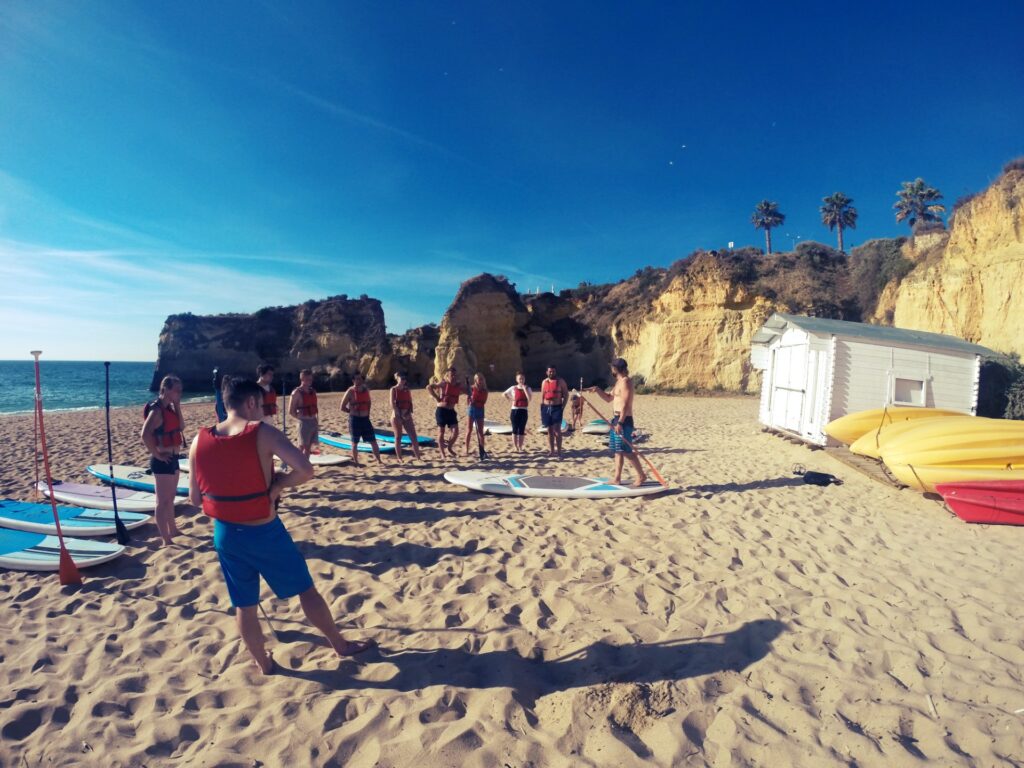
x: 996, y: 502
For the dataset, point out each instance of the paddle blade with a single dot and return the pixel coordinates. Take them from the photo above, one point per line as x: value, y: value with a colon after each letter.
x: 123, y: 537
x: 67, y: 570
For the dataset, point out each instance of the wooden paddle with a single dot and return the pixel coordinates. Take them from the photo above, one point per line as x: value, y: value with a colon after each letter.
x: 654, y: 471
x: 67, y: 569
x: 122, y: 532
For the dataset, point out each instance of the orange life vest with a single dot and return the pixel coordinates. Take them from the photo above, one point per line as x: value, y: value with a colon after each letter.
x: 477, y: 397
x: 450, y: 394
x: 169, y: 434
x: 520, y: 400
x: 308, y: 408
x: 403, y: 399
x: 230, y: 476
x: 269, y: 402
x: 550, y: 390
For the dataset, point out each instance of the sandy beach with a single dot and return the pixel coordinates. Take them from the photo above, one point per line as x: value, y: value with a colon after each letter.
x: 740, y: 619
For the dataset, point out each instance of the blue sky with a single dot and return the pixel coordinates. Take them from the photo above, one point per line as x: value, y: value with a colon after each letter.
x: 212, y: 157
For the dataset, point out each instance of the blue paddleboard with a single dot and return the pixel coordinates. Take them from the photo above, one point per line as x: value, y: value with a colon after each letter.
x: 338, y: 440
x: 24, y: 551
x: 74, y: 521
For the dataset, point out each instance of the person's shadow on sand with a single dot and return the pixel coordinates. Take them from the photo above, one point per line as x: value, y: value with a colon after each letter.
x: 380, y: 558
x: 531, y: 679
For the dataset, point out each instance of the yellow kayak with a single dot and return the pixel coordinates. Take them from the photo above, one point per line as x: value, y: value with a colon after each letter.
x: 925, y: 478
x: 874, y: 441
x: 846, y: 429
x: 945, y: 439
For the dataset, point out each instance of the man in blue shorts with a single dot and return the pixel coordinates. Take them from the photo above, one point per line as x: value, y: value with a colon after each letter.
x: 232, y: 479
x: 553, y: 394
x: 621, y: 398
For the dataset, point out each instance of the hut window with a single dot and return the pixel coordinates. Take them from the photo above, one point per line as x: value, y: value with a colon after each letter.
x: 908, y: 392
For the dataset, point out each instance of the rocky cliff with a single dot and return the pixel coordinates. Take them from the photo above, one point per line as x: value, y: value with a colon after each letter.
x: 971, y: 283
x: 334, y: 337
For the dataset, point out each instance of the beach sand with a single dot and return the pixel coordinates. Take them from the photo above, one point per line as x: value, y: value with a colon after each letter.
x: 742, y: 619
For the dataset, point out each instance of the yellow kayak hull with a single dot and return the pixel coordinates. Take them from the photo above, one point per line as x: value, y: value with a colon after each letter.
x: 955, y: 440
x: 874, y: 441
x: 846, y: 429
x: 925, y: 478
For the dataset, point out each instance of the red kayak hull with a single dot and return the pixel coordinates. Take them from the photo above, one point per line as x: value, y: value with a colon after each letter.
x: 994, y: 503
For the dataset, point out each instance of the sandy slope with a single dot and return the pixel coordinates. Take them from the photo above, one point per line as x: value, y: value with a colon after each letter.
x: 742, y: 619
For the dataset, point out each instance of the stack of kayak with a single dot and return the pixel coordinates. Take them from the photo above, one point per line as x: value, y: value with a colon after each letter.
x: 975, y: 463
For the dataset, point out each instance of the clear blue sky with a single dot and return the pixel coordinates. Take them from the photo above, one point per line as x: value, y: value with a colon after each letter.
x: 194, y: 156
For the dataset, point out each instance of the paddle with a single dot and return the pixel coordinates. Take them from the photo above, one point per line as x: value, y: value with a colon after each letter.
x: 122, y: 532
x: 654, y: 471
x: 68, y: 570
x: 218, y: 399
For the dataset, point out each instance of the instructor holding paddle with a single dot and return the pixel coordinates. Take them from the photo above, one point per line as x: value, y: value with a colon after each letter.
x: 621, y: 434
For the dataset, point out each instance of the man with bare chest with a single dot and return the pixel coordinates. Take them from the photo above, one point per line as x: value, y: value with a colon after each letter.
x: 620, y: 437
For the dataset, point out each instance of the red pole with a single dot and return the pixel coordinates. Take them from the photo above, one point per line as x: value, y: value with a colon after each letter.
x: 68, y: 570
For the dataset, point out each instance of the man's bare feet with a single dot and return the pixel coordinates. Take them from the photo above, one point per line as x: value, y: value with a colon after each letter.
x: 352, y: 648
x: 639, y: 481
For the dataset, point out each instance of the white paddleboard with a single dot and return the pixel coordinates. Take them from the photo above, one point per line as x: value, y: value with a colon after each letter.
x: 596, y: 427
x: 24, y: 551
x: 74, y: 521
x: 496, y: 428
x: 566, y: 427
x: 138, y: 478
x: 328, y: 459
x: 548, y: 486
x: 98, y: 497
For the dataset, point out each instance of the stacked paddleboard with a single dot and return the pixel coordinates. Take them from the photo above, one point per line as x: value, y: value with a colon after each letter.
x: 25, y: 551
x: 136, y: 478
x: 548, y: 486
x: 497, y: 428
x: 338, y: 440
x: 596, y: 427
x: 388, y: 436
x: 542, y: 430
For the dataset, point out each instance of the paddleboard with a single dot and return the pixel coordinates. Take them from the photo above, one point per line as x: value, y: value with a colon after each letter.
x: 496, y: 428
x: 846, y: 429
x: 338, y: 440
x: 566, y: 427
x: 75, y: 521
x: 328, y: 459
x: 388, y: 436
x: 138, y: 478
x: 596, y: 427
x: 24, y: 551
x: 548, y: 486
x: 98, y: 497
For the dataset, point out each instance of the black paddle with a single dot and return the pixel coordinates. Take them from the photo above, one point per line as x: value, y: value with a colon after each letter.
x: 122, y: 532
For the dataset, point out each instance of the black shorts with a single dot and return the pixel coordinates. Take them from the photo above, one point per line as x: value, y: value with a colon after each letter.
x: 518, y: 418
x: 360, y: 428
x: 159, y: 467
x: 446, y: 417
x: 551, y: 415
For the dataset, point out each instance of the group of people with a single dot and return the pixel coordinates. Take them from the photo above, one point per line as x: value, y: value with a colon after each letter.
x: 233, y: 478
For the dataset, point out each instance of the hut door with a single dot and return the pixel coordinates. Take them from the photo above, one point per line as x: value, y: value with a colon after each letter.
x: 788, y: 386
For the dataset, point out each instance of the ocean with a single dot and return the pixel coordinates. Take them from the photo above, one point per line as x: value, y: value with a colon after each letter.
x: 75, y: 385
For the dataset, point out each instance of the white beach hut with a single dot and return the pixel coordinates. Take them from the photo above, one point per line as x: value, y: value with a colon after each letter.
x: 816, y: 370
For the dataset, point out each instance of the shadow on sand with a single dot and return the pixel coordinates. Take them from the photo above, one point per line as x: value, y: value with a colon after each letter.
x: 754, y: 485
x: 380, y: 558
x: 531, y: 679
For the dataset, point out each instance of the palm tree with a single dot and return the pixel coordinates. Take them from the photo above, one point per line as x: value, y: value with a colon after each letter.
x: 767, y: 216
x: 838, y: 213
x: 918, y: 202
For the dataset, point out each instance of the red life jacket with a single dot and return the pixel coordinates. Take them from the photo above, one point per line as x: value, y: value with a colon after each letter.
x: 269, y: 402
x: 403, y: 399
x: 477, y: 397
x: 308, y: 408
x: 360, y: 400
x: 230, y: 476
x: 520, y: 400
x: 169, y: 434
x: 450, y: 394
x: 550, y: 390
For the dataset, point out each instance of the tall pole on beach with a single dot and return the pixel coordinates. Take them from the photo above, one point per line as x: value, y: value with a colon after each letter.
x: 67, y: 569
x: 122, y: 532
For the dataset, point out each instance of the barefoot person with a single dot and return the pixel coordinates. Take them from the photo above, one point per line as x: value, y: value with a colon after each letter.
x: 553, y: 394
x: 303, y: 408
x: 265, y: 378
x: 447, y: 395
x: 401, y: 415
x: 621, y: 399
x: 477, y: 400
x: 232, y: 478
x: 163, y: 434
x: 520, y: 395
x: 356, y: 404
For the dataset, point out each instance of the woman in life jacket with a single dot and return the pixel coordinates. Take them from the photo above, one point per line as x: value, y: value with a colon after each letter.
x: 163, y: 434
x: 520, y: 395
x: 401, y: 415
x: 303, y: 408
x: 477, y: 400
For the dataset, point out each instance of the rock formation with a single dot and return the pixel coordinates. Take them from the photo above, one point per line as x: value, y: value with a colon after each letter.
x: 972, y: 284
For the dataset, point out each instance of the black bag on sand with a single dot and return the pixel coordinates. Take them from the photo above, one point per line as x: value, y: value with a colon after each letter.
x: 816, y: 478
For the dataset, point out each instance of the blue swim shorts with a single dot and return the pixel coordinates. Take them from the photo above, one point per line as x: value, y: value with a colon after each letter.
x: 247, y: 552
x: 551, y: 415
x: 615, y: 443
x: 476, y: 414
